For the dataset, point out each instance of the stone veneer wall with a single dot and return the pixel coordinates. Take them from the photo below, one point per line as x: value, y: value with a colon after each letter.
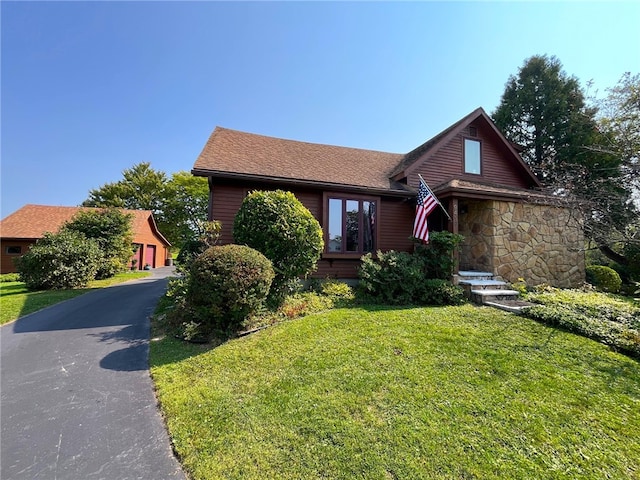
x: 540, y: 243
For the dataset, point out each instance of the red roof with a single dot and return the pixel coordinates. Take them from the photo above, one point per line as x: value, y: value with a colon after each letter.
x: 32, y: 221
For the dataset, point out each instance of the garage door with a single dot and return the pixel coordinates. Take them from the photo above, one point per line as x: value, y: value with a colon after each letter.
x: 150, y: 256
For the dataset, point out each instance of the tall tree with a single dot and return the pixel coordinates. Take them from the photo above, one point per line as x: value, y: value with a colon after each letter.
x: 619, y: 124
x: 543, y: 110
x: 142, y: 188
x: 179, y: 204
x: 619, y: 121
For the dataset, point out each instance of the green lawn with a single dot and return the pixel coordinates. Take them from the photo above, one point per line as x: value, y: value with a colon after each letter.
x: 421, y: 393
x: 16, y: 301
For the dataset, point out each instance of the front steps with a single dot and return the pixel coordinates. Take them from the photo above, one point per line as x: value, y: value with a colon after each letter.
x: 482, y: 288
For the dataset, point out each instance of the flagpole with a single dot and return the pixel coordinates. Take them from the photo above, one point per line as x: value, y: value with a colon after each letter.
x: 434, y: 196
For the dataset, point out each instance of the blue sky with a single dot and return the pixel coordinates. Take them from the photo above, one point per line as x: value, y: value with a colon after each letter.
x: 92, y: 88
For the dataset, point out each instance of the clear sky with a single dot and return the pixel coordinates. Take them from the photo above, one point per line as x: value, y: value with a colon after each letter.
x: 92, y: 88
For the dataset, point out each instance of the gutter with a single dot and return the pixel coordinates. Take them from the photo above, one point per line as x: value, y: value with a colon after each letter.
x: 303, y: 183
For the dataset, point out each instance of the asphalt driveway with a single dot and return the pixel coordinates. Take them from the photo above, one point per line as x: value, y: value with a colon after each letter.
x: 77, y: 399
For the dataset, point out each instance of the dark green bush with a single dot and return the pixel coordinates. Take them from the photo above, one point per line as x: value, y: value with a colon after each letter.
x: 390, y: 279
x: 398, y: 278
x: 440, y: 292
x: 278, y: 225
x: 603, y: 278
x: 66, y: 259
x: 437, y: 255
x: 226, y: 284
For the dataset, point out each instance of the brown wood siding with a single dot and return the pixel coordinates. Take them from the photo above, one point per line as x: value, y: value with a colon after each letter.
x: 497, y: 165
x: 396, y: 225
x: 227, y: 199
x: 395, y: 222
x: 226, y: 203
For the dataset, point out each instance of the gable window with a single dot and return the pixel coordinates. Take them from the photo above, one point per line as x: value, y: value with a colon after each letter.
x: 350, y: 224
x: 471, y: 156
x: 14, y: 250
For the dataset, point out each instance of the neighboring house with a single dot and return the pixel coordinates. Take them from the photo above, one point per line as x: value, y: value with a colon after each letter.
x: 22, y: 228
x: 365, y: 200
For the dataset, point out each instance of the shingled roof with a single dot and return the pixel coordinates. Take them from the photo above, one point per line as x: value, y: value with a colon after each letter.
x: 234, y: 154
x: 241, y: 155
x: 32, y: 221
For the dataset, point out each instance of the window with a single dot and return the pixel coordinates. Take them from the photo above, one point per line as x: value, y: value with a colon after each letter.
x: 14, y: 250
x: 350, y: 225
x: 471, y: 156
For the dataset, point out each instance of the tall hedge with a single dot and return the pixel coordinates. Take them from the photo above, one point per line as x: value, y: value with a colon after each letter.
x: 279, y: 226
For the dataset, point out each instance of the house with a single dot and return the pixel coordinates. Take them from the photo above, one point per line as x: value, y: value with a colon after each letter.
x: 365, y: 200
x: 22, y: 228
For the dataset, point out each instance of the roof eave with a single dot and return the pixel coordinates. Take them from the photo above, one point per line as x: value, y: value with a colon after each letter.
x: 302, y: 183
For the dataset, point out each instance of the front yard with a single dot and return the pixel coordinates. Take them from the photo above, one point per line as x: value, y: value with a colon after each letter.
x: 381, y: 393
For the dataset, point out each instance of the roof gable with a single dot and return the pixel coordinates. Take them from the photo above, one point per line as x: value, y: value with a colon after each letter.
x: 419, y: 155
x: 32, y: 221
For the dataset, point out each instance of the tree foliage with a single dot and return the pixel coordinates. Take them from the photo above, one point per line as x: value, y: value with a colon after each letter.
x: 544, y: 111
x: 140, y: 189
x: 179, y: 203
x: 619, y: 121
x: 184, y: 208
x: 111, y: 229
x: 66, y: 259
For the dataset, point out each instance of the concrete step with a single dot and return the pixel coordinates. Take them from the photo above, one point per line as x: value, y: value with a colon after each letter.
x: 493, y: 295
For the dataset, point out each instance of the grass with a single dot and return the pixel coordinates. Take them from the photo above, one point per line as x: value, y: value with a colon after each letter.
x: 16, y: 301
x: 422, y: 393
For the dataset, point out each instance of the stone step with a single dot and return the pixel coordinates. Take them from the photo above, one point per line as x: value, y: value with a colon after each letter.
x: 482, y: 284
x: 493, y: 295
x: 474, y: 275
x: 513, y: 306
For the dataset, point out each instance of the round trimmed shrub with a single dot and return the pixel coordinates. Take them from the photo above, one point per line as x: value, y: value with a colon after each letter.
x: 278, y: 225
x: 226, y: 284
x: 66, y: 259
x: 603, y: 278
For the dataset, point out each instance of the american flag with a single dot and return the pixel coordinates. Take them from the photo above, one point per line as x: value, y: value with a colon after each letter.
x: 425, y: 204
